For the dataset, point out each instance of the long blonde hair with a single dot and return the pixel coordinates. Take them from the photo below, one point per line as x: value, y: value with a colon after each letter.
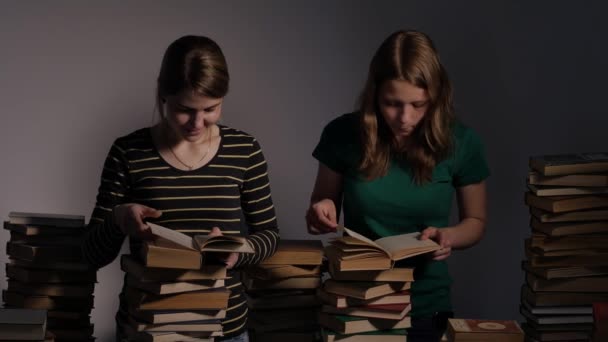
x: 408, y: 56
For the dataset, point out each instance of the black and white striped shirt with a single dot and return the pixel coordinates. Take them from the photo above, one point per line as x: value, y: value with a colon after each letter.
x: 232, y: 192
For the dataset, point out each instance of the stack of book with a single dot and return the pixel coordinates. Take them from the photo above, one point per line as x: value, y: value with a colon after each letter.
x: 24, y: 325
x: 367, y: 298
x: 281, y: 293
x: 172, y: 293
x: 46, y: 271
x: 567, y: 254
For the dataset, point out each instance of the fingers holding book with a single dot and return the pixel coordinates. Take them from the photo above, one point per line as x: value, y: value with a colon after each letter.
x: 441, y: 236
x: 131, y: 219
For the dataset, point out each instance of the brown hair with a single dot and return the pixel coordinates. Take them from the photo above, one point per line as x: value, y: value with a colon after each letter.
x: 408, y: 56
x: 194, y: 63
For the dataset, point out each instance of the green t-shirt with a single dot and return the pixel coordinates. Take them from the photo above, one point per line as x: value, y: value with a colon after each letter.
x: 395, y: 204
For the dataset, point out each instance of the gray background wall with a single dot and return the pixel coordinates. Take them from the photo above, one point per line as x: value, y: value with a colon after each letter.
x: 529, y: 77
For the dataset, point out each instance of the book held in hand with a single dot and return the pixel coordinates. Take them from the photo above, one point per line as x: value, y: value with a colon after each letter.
x: 358, y: 249
x: 203, y: 243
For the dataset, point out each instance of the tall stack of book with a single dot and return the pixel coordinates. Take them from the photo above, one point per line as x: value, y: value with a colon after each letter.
x: 24, y: 325
x: 367, y: 298
x: 46, y: 271
x: 172, y: 293
x: 281, y: 293
x: 567, y: 254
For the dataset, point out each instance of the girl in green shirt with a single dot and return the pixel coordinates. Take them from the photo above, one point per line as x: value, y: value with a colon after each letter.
x: 395, y: 165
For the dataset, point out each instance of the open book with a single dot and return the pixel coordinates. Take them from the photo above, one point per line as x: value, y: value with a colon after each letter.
x: 354, y: 251
x: 203, y: 243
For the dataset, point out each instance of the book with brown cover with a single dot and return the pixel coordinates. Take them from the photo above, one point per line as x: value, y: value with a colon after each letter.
x: 384, y: 311
x: 354, y: 325
x: 364, y: 290
x: 52, y: 290
x: 572, y: 216
x: 578, y: 284
x: 171, y: 316
x: 340, y: 301
x: 577, y: 180
x: 27, y: 275
x: 563, y: 334
x: 22, y: 324
x: 44, y: 219
x: 560, y: 204
x: 398, y: 274
x: 561, y: 298
x: 284, y: 271
x: 43, y: 252
x: 149, y: 274
x: 42, y: 231
x: 197, y: 300
x: 567, y: 164
x: 541, y: 190
x: 253, y: 284
x: 354, y: 246
x: 203, y: 243
x: 568, y: 228
x: 289, y: 300
x: 160, y: 288
x: 559, y: 272
x: 296, y: 252
x: 164, y: 254
x: 546, y: 243
x: 19, y: 300
x: 484, y: 330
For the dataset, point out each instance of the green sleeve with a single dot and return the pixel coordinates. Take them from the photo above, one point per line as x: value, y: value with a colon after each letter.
x: 331, y: 150
x: 470, y: 162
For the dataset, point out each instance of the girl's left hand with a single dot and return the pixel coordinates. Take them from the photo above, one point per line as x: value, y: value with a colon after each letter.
x: 228, y: 258
x: 442, y: 237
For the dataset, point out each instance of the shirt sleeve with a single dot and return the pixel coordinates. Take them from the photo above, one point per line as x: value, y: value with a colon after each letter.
x: 258, y: 210
x: 470, y: 162
x: 330, y: 149
x: 104, y: 239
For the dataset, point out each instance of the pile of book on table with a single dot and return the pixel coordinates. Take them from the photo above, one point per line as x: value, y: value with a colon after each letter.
x: 46, y: 271
x: 24, y: 325
x: 281, y: 293
x: 171, y: 292
x: 567, y: 253
x: 366, y: 298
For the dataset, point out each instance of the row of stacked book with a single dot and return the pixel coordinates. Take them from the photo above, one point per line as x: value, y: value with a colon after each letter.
x: 24, y: 325
x: 281, y: 293
x: 365, y: 297
x: 172, y: 293
x: 46, y: 273
x: 566, y: 266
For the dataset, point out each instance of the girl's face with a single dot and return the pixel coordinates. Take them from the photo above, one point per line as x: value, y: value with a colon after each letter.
x: 402, y: 105
x: 190, y: 115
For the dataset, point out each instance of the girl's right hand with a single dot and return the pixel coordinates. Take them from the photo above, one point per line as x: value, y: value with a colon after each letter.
x: 130, y: 218
x: 321, y: 217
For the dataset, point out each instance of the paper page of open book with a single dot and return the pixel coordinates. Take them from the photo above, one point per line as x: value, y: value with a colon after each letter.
x: 405, y: 245
x: 172, y: 235
x: 362, y: 238
x: 222, y: 243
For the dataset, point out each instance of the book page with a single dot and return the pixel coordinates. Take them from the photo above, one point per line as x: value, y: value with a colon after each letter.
x: 399, y: 246
x: 362, y: 238
x: 172, y: 235
x: 222, y: 243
